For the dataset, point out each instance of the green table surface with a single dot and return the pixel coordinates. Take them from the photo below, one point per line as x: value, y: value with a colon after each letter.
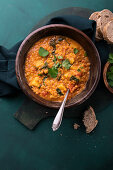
x: 43, y: 149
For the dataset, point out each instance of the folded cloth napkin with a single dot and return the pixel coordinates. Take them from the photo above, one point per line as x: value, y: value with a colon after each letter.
x: 8, y: 81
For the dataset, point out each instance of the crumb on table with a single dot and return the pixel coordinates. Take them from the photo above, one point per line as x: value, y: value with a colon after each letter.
x: 76, y: 126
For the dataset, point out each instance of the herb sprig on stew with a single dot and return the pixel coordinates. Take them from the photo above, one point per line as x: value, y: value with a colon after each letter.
x: 53, y: 72
x: 43, y: 52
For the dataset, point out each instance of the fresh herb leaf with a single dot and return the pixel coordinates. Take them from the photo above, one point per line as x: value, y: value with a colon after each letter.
x: 75, y: 50
x: 59, y: 92
x: 66, y: 64
x: 44, y: 80
x: 85, y: 54
x: 110, y: 76
x: 79, y: 70
x: 60, y: 57
x: 109, y: 73
x: 110, y: 59
x: 74, y: 78
x: 111, y: 55
x: 111, y: 83
x: 111, y: 69
x: 43, y: 52
x: 81, y: 67
x: 55, y: 59
x: 53, y: 72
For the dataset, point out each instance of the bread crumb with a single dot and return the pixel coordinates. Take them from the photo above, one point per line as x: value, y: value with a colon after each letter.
x: 76, y: 126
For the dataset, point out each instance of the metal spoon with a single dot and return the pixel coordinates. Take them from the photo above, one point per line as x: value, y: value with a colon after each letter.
x: 58, y: 119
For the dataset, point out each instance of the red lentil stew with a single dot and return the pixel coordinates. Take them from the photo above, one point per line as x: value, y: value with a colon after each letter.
x: 54, y: 64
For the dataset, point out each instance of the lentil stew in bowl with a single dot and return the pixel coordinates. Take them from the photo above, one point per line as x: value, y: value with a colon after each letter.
x: 54, y: 64
x: 52, y: 59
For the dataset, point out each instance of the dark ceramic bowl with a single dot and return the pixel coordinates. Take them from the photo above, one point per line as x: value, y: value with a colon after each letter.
x: 75, y: 34
x: 106, y: 68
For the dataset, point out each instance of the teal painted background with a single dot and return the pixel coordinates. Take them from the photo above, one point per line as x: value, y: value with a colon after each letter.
x: 17, y: 17
x: 42, y: 149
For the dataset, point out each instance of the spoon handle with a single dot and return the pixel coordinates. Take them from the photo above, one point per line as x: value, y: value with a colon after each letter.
x: 58, y: 119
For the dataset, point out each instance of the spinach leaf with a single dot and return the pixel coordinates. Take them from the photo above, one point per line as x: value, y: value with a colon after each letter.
x: 53, y: 72
x: 43, y: 52
x: 59, y: 92
x: 74, y: 78
x: 66, y: 64
x: 75, y: 50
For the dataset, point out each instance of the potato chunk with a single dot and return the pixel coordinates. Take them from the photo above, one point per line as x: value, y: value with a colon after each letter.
x: 39, y: 63
x: 35, y: 82
x: 61, y: 87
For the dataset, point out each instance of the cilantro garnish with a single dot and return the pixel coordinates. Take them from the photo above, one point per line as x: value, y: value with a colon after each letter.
x: 43, y: 52
x: 75, y: 50
x: 53, y: 72
x: 66, y: 64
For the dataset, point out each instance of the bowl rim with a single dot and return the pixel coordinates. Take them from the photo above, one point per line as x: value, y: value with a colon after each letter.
x: 87, y: 95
